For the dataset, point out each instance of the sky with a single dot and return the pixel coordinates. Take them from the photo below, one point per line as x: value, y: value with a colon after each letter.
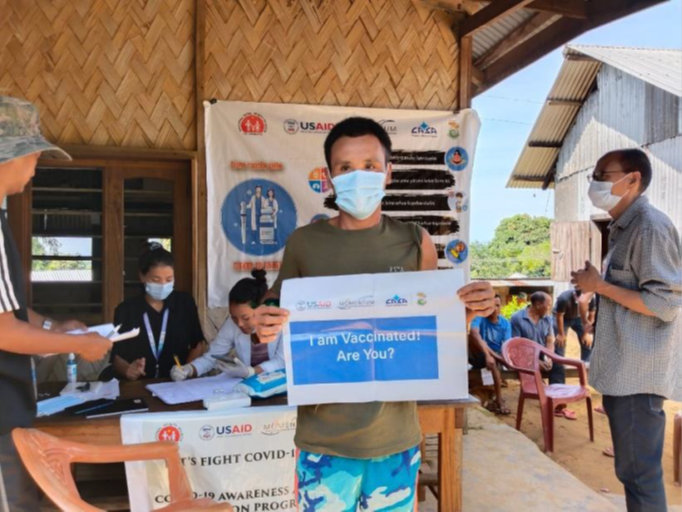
x: 509, y: 110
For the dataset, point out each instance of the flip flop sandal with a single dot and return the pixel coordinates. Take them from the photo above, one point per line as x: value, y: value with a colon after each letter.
x: 608, y: 452
x: 600, y: 409
x: 566, y: 413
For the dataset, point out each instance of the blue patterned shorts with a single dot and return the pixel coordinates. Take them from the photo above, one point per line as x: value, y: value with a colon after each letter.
x: 337, y: 484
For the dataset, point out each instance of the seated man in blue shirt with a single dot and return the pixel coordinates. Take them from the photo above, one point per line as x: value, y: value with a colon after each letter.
x: 486, y: 338
x: 535, y: 323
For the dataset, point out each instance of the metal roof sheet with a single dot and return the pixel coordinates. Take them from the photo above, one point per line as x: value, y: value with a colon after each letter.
x: 659, y: 67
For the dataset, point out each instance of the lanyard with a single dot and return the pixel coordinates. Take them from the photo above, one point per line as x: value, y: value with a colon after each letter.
x: 156, y: 350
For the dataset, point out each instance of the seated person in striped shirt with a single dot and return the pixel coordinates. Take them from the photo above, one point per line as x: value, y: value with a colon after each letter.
x: 237, y: 336
x: 486, y: 338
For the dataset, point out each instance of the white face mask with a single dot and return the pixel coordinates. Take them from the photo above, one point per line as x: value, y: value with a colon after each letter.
x: 359, y: 193
x: 601, y: 196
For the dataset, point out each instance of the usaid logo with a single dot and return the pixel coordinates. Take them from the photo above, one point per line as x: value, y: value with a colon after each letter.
x: 424, y: 130
x: 363, y: 302
x: 389, y: 126
x: 234, y: 430
x: 397, y: 300
x: 206, y: 433
x: 314, y: 305
x: 293, y: 126
x: 278, y: 426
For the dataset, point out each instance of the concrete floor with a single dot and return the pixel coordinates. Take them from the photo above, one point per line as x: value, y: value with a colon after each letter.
x: 504, y: 471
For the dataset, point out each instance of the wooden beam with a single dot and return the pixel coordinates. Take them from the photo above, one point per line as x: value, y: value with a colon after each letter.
x: 477, y: 76
x: 524, y: 31
x: 579, y: 58
x: 565, y: 103
x: 106, y: 152
x: 549, y: 178
x: 569, y: 8
x: 489, y: 15
x: 541, y: 144
x: 529, y: 179
x: 20, y: 222
x: 557, y: 34
x: 465, y: 72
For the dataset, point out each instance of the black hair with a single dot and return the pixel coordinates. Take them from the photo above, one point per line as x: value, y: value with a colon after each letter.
x: 356, y: 127
x: 538, y: 298
x: 633, y: 160
x: 498, y: 296
x: 249, y: 290
x: 154, y: 255
x: 459, y: 194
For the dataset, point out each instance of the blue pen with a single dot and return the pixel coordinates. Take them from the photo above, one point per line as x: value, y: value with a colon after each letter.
x: 100, y: 406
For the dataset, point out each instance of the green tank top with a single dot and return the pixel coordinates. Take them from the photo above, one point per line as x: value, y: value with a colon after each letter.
x: 362, y: 430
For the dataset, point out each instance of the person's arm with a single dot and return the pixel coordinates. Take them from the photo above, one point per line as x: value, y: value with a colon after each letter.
x: 560, y: 335
x: 131, y: 371
x: 38, y: 320
x: 479, y: 342
x: 516, y: 332
x: 276, y: 362
x: 220, y: 346
x: 429, y: 255
x: 23, y: 338
x: 658, y: 261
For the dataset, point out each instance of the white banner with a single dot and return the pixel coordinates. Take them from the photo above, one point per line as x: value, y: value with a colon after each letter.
x: 267, y: 175
x: 377, y: 337
x: 245, y: 457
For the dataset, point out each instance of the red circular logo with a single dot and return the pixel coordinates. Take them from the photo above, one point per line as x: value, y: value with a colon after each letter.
x: 253, y: 124
x: 169, y: 433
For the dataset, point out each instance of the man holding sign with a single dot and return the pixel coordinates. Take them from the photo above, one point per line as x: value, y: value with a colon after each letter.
x: 361, y: 456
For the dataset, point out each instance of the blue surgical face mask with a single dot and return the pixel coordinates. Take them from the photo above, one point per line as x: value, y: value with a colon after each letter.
x: 359, y: 193
x: 158, y: 291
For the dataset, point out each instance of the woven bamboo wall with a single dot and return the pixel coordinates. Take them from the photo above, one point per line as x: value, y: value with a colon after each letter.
x: 379, y: 53
x: 103, y: 72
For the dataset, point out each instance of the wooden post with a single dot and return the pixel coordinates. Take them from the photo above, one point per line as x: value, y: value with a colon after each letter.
x: 199, y: 207
x: 20, y: 221
x: 112, y: 242
x: 465, y: 72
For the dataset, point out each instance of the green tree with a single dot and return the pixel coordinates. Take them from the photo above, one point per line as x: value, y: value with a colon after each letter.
x: 45, y: 246
x: 521, y: 245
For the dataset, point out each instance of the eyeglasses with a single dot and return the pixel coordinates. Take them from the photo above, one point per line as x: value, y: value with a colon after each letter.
x: 600, y: 176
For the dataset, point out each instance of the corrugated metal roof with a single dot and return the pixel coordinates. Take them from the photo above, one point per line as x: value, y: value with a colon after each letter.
x: 661, y: 68
x: 489, y: 36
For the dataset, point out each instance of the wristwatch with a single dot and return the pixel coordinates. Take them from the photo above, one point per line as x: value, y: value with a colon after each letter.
x: 47, y: 324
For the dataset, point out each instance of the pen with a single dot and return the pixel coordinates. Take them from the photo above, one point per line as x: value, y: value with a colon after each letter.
x: 177, y: 362
x: 115, y: 331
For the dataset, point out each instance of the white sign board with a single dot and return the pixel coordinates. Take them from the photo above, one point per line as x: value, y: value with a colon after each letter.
x: 267, y: 175
x: 375, y: 337
x: 245, y: 457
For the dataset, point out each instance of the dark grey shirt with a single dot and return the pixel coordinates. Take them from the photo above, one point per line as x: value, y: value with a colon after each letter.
x: 523, y: 326
x: 635, y: 353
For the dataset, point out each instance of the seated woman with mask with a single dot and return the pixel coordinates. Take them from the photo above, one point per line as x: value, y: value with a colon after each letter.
x: 168, y: 321
x: 238, y: 334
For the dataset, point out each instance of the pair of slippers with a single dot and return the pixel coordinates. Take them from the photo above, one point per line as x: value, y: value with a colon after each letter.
x: 566, y: 413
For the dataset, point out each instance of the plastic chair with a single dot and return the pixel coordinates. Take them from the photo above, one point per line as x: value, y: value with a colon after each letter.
x: 523, y: 355
x: 48, y: 460
x: 677, y: 448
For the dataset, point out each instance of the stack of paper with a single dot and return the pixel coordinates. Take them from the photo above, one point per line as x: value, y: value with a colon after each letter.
x: 193, y: 390
x: 57, y: 404
x: 88, y: 391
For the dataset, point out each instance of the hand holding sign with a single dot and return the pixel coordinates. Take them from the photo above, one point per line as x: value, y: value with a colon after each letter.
x: 479, y: 299
x: 270, y: 321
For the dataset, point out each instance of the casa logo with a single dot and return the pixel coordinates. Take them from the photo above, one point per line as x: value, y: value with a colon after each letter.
x: 421, y: 299
x: 292, y: 127
x: 363, y: 302
x: 397, y: 300
x: 207, y: 432
x: 169, y: 432
x: 279, y: 426
x: 253, y: 124
x: 313, y: 305
x: 424, y: 130
x: 453, y: 131
x: 319, y: 181
x: 244, y: 429
x: 389, y: 126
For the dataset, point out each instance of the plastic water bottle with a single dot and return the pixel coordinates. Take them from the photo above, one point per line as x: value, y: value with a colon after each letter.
x: 71, y: 370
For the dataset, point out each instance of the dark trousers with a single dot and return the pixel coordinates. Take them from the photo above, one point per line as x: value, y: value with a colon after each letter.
x: 638, y: 431
x: 18, y: 493
x: 558, y: 373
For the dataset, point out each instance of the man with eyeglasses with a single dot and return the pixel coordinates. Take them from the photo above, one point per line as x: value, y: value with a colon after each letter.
x: 637, y: 358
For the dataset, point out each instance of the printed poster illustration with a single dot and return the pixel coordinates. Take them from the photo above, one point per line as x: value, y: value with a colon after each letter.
x: 267, y: 176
